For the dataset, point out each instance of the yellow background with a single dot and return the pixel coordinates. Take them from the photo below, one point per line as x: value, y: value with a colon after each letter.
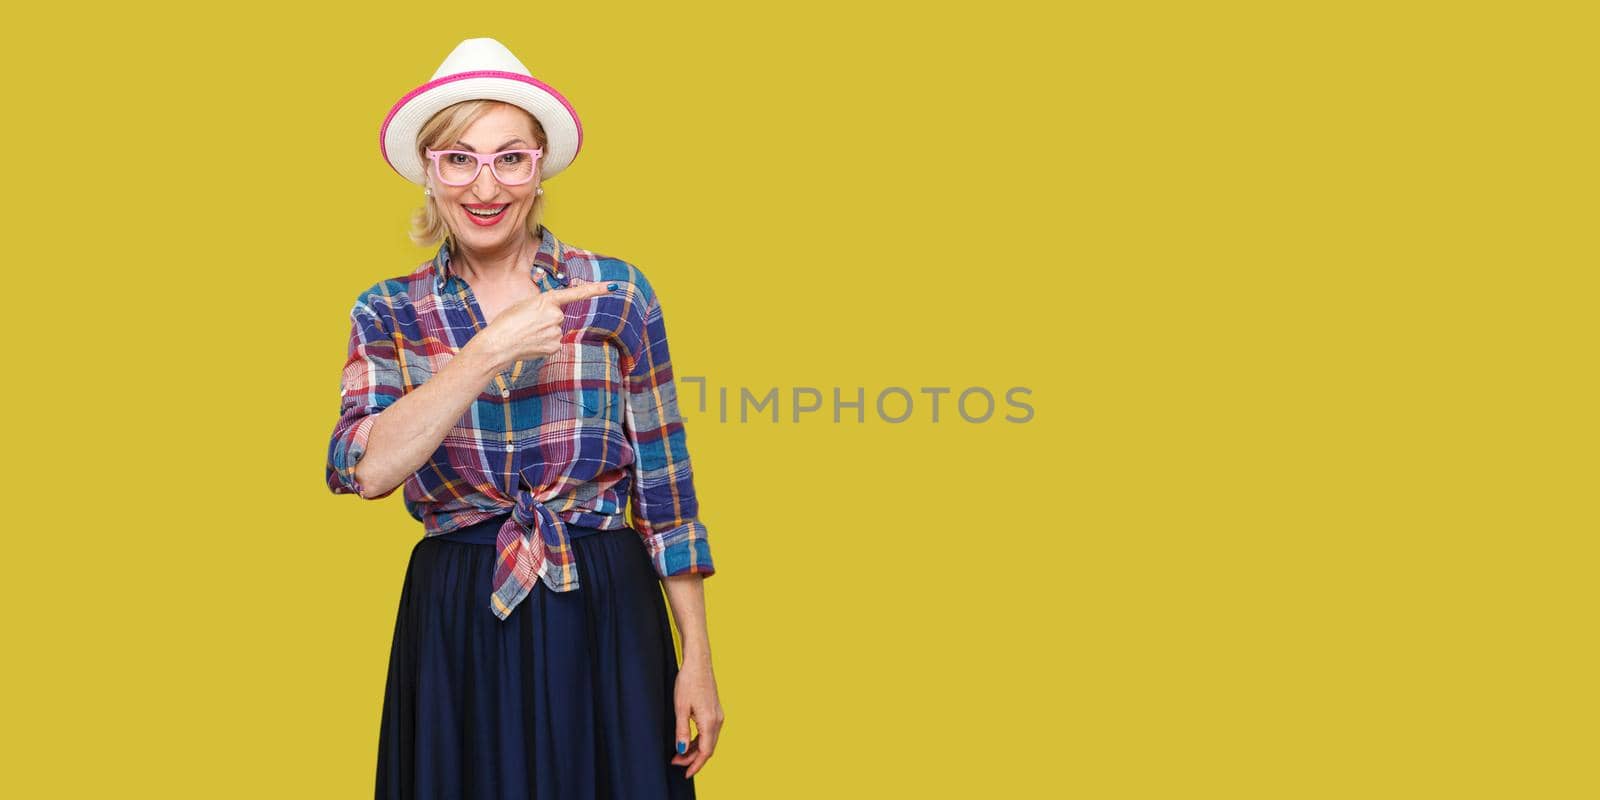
x: 1304, y: 297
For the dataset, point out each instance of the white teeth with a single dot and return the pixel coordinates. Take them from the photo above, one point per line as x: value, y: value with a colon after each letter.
x: 495, y: 212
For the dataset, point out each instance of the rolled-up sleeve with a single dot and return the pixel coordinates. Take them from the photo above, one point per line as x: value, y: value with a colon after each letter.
x: 370, y: 383
x: 665, y: 509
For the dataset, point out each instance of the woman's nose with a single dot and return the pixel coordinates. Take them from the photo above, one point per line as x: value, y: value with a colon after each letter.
x: 486, y: 184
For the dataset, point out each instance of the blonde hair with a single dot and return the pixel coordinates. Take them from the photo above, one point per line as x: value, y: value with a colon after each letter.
x: 428, y: 227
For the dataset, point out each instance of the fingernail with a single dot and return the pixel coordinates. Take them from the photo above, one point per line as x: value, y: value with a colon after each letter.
x: 682, y: 747
x: 613, y: 287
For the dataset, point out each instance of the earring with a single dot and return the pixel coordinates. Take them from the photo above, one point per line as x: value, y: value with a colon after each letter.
x: 539, y: 190
x: 427, y: 192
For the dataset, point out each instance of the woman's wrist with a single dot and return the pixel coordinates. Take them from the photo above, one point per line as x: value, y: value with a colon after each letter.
x: 481, y: 358
x: 696, y: 652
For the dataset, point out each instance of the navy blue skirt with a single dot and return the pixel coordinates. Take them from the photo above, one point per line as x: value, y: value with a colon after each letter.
x: 569, y: 698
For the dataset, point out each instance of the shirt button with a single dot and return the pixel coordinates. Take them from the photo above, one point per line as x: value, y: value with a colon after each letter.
x: 508, y: 447
x: 561, y: 274
x: 505, y: 392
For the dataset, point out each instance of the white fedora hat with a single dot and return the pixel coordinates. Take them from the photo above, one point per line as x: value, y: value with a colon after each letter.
x: 480, y: 69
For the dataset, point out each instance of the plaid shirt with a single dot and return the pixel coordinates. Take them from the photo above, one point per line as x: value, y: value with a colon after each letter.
x: 563, y: 439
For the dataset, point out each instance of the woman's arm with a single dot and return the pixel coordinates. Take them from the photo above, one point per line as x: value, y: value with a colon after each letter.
x: 666, y: 513
x: 409, y: 431
x: 696, y: 692
x: 666, y: 510
x: 686, y: 594
x: 386, y: 433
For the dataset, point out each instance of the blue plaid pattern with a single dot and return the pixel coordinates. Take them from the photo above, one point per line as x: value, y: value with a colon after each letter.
x: 567, y: 439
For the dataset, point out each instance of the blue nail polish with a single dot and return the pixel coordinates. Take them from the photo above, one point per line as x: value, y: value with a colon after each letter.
x: 611, y: 286
x: 682, y: 747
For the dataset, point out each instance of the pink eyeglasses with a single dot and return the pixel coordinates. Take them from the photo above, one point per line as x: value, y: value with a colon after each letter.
x: 462, y: 167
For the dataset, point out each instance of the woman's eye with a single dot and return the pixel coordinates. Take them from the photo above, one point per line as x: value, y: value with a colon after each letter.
x: 512, y: 158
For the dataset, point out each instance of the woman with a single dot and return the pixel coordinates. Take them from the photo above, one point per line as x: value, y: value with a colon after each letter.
x: 521, y: 390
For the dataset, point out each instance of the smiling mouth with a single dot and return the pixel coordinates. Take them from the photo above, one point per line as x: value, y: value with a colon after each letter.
x: 487, y: 213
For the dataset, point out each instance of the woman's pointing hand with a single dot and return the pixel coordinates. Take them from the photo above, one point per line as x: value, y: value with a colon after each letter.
x: 531, y: 328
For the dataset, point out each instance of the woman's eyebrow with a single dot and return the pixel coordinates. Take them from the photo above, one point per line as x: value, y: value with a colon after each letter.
x: 465, y: 146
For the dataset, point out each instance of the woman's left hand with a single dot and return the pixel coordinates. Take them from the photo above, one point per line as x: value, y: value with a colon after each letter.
x: 695, y: 696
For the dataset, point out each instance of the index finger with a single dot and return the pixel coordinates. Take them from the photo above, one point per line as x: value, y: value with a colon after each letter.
x: 572, y: 294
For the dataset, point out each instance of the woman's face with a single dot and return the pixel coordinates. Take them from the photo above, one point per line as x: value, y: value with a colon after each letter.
x: 504, y: 128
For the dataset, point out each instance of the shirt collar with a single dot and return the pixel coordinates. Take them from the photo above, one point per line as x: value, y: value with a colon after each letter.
x: 549, y: 262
